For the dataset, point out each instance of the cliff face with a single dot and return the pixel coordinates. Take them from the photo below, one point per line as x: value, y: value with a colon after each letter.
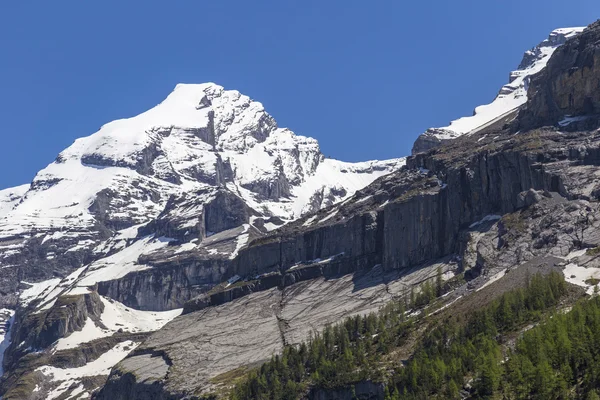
x: 566, y: 92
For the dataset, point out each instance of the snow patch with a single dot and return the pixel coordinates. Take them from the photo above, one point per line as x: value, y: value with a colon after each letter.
x: 512, y: 95
x: 579, y: 275
x: 242, y: 240
x: 69, y: 376
x: 37, y: 289
x: 115, y: 317
x: 567, y: 120
x: 89, y: 332
x: 123, y: 262
x: 487, y: 218
x: 315, y: 261
x: 493, y: 279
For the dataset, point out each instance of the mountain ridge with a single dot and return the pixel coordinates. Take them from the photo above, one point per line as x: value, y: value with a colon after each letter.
x: 192, y: 180
x: 510, y: 97
x: 202, y: 140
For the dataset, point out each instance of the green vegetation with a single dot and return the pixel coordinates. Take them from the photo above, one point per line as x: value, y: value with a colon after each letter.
x: 459, y: 349
x: 592, y: 281
x: 559, y: 359
x: 514, y: 223
x: 547, y: 361
x: 593, y: 251
x: 348, y: 352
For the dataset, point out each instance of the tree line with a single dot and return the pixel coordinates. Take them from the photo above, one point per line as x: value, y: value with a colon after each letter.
x: 464, y: 353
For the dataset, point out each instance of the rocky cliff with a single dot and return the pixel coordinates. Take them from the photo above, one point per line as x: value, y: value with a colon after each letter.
x: 565, y: 93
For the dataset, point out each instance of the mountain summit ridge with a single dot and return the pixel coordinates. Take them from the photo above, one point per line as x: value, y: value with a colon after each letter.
x: 509, y: 98
x: 189, y: 164
x: 193, y: 179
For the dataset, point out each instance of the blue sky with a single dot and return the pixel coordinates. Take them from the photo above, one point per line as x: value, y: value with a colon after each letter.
x: 364, y: 78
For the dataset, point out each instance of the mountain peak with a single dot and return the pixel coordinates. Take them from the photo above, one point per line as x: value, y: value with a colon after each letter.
x: 202, y: 148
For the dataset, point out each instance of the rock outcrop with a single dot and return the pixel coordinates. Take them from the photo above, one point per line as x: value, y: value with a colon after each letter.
x: 566, y: 91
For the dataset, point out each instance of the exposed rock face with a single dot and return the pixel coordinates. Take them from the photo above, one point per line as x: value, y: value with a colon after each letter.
x: 432, y: 138
x: 199, y: 346
x: 412, y: 217
x: 39, y: 330
x: 568, y: 87
x: 194, y: 216
x: 67, y: 315
x: 166, y: 287
x: 144, y: 375
x: 226, y: 211
x: 65, y: 344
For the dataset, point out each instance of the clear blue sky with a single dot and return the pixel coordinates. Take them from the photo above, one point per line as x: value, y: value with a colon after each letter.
x: 364, y: 78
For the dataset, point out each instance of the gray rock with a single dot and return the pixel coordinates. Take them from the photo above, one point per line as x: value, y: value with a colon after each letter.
x: 432, y: 138
x: 528, y: 198
x: 202, y: 345
x: 567, y: 86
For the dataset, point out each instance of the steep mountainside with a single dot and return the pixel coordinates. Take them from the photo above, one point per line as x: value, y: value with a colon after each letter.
x: 203, y: 142
x: 470, y: 212
x: 204, y: 204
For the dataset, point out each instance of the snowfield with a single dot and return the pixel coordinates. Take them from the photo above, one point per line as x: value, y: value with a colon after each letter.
x: 71, y: 376
x: 117, y: 317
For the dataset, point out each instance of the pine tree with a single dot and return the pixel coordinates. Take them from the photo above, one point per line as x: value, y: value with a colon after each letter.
x: 593, y: 395
x: 453, y: 392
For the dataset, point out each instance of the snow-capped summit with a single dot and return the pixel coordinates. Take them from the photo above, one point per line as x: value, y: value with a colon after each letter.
x: 193, y: 179
x: 201, y: 143
x: 509, y: 99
